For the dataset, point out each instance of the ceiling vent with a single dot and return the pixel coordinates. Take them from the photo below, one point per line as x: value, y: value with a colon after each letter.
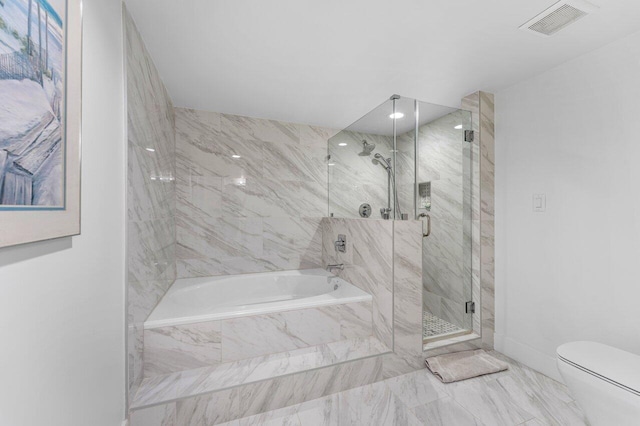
x: 558, y: 16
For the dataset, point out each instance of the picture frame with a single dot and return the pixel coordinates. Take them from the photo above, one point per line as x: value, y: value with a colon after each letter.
x: 40, y: 119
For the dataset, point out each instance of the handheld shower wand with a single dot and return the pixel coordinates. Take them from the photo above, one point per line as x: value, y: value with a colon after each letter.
x: 391, y: 186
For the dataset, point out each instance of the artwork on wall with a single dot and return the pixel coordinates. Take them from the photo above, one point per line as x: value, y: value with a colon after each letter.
x: 40, y: 95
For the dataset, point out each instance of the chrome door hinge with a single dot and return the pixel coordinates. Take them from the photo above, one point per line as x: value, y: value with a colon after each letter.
x: 469, y: 135
x: 470, y: 307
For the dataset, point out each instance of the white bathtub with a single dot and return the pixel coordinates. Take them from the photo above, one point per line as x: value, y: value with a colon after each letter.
x: 195, y: 300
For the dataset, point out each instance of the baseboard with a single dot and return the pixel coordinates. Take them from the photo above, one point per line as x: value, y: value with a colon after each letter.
x: 527, y: 355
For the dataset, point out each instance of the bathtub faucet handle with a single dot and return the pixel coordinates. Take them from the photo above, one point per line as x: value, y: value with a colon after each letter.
x: 341, y: 243
x: 339, y: 266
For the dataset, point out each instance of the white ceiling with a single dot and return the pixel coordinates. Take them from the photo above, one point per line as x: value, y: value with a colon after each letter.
x: 328, y: 62
x: 378, y: 121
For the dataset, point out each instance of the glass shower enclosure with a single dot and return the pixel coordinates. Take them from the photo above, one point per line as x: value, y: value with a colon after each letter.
x: 412, y: 160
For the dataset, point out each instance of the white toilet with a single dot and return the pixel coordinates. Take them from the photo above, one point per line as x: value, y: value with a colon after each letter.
x: 605, y: 382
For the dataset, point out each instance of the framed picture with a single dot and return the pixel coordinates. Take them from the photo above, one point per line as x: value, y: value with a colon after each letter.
x: 40, y: 107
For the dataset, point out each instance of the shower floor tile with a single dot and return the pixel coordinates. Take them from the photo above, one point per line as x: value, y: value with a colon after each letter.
x: 433, y: 326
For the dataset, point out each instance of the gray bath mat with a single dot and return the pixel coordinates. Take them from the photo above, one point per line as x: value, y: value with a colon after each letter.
x: 464, y: 365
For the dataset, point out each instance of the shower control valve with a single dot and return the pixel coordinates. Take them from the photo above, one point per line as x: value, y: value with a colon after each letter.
x: 365, y: 210
x: 341, y: 244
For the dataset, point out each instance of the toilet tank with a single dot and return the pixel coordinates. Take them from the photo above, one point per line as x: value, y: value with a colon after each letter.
x: 604, y: 381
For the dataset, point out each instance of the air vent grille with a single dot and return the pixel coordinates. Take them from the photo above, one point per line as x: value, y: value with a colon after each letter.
x: 557, y: 20
x: 558, y: 16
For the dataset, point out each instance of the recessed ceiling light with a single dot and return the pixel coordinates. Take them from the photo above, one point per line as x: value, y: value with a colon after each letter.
x: 342, y: 144
x: 235, y: 156
x: 458, y: 127
x: 396, y: 115
x: 150, y: 149
x: 331, y: 164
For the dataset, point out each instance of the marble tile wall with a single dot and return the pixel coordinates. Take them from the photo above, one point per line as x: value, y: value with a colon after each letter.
x: 447, y: 257
x: 150, y: 193
x: 407, y: 272
x: 184, y: 384
x: 256, y: 398
x: 192, y: 346
x: 182, y: 347
x: 487, y: 216
x: 405, y: 176
x: 355, y: 178
x: 482, y: 106
x: 249, y: 337
x: 368, y: 264
x: 250, y: 194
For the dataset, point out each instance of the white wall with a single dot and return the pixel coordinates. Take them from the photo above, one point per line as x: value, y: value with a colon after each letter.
x: 62, y: 301
x: 570, y: 273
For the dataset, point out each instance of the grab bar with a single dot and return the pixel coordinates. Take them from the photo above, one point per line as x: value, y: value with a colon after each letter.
x: 425, y: 234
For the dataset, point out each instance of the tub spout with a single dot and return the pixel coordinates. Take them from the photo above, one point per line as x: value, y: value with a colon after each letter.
x: 339, y: 266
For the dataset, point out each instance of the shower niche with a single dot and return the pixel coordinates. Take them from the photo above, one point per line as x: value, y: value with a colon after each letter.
x: 412, y: 161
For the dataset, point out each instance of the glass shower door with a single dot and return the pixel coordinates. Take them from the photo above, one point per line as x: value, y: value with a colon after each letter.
x: 444, y: 198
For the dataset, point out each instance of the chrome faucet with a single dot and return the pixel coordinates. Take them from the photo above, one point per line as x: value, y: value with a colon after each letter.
x: 339, y: 266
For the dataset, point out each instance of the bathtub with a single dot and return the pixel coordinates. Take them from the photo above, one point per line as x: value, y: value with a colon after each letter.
x: 197, y: 300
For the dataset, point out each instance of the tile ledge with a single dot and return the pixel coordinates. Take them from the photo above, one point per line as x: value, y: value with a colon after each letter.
x: 448, y: 342
x: 173, y: 387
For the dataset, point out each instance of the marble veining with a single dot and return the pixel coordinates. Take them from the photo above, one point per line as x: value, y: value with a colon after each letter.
x: 356, y: 320
x: 151, y: 188
x: 204, y: 344
x: 368, y: 264
x: 514, y: 397
x: 208, y: 409
x: 444, y: 412
x: 374, y: 404
x: 248, y: 337
x: 408, y: 271
x: 487, y: 200
x: 356, y: 179
x: 182, y: 347
x: 182, y: 384
x: 250, y: 194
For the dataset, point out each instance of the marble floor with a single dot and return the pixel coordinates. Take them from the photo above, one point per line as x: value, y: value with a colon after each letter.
x: 519, y: 396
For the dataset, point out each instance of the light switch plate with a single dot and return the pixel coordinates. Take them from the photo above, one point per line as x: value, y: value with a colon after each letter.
x: 539, y: 203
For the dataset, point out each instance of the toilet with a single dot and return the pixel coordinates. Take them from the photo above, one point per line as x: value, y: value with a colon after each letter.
x: 604, y: 381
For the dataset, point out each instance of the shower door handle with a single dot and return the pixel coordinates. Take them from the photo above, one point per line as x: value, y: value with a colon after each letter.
x: 428, y: 232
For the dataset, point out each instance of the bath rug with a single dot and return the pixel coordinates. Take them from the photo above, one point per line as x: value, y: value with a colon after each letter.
x: 464, y: 365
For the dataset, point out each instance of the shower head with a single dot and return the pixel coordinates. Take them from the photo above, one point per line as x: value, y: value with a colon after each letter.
x: 367, y: 148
